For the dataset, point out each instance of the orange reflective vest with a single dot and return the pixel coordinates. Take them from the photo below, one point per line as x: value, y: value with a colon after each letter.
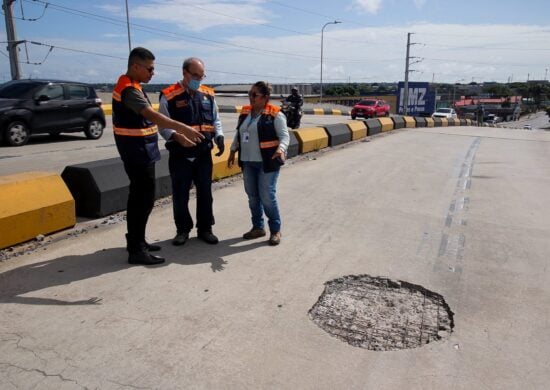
x: 267, y: 135
x: 195, y: 110
x: 136, y: 137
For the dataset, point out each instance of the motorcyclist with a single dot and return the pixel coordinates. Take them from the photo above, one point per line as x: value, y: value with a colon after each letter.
x: 296, y: 101
x: 295, y: 98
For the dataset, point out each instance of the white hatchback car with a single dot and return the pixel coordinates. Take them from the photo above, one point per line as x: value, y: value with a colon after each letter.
x: 444, y: 113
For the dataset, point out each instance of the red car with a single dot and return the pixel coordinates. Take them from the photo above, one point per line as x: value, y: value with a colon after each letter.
x: 370, y: 108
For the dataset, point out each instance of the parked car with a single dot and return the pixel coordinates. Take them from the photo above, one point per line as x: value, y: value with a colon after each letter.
x: 444, y: 113
x: 493, y: 119
x: 370, y: 108
x: 48, y: 106
x: 527, y: 127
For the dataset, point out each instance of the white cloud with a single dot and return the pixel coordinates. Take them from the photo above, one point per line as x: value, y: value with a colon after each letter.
x: 446, y: 53
x: 198, y: 16
x: 112, y: 9
x: 368, y: 6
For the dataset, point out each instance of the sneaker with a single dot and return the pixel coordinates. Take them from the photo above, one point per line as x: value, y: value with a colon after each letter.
x: 208, y: 237
x: 254, y: 233
x: 275, y: 238
x: 180, y: 239
x: 144, y: 258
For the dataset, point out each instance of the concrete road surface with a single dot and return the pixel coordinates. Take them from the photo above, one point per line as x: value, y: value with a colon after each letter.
x: 460, y: 211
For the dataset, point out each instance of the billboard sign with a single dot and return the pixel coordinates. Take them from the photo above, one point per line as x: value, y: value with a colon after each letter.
x: 421, y: 99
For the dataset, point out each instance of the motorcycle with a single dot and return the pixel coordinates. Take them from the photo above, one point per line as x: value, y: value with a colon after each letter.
x: 293, y: 114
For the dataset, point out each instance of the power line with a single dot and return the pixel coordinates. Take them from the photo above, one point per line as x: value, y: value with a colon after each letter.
x: 171, y: 34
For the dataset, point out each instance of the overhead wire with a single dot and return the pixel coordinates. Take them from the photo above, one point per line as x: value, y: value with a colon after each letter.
x: 171, y: 34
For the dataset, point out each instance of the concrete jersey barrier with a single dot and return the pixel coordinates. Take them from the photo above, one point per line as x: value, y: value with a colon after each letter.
x: 100, y: 188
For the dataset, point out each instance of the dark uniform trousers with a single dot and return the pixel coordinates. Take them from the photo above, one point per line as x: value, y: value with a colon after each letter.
x: 184, y: 173
x: 141, y: 200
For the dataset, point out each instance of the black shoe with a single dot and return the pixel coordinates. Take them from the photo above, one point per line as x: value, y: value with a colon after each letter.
x: 180, y: 239
x: 144, y: 258
x: 207, y: 237
x: 152, y: 247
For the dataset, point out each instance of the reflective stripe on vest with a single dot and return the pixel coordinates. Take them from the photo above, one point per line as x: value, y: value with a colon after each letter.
x: 204, y: 128
x: 135, y: 132
x: 269, y: 144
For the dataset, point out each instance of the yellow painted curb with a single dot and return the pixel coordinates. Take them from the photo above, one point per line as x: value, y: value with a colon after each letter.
x: 311, y: 139
x: 239, y: 109
x: 409, y: 122
x: 108, y: 108
x: 336, y: 112
x: 318, y: 111
x: 358, y: 129
x: 387, y: 124
x: 220, y: 169
x: 430, y: 122
x: 33, y: 203
x: 444, y: 122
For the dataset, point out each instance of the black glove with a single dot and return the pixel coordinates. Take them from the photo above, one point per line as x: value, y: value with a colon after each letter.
x: 220, y: 144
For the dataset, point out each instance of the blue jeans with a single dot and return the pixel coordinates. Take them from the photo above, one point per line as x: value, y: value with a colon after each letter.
x: 261, y: 189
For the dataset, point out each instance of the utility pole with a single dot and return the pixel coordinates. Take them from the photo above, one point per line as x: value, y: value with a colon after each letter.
x: 12, y: 40
x: 128, y: 26
x: 406, y: 87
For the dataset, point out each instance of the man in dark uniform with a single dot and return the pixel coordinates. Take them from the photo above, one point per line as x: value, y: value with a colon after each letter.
x: 189, y: 102
x: 296, y: 101
x: 480, y: 114
x: 295, y: 98
x: 137, y: 142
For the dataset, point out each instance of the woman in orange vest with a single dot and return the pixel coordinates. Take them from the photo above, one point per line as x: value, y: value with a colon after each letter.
x: 262, y: 140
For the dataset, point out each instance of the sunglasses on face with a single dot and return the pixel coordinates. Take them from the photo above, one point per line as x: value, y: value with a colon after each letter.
x: 149, y: 69
x: 254, y: 94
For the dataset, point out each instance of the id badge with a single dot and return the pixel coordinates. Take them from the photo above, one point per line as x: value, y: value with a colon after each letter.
x: 246, y: 136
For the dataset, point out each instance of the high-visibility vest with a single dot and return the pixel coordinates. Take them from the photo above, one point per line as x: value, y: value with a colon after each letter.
x: 195, y: 110
x: 136, y: 137
x: 267, y: 135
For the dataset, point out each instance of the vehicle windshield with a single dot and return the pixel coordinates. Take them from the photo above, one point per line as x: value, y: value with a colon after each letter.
x: 17, y: 90
x: 444, y: 110
x: 367, y: 103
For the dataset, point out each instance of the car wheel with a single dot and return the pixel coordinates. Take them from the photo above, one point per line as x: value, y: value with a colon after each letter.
x: 94, y: 129
x: 17, y: 133
x: 387, y: 113
x: 353, y: 117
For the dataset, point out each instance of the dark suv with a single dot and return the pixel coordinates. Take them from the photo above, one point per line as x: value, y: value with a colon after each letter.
x: 48, y: 106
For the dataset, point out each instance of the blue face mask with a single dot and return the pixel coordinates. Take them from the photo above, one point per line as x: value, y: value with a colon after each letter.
x: 194, y: 84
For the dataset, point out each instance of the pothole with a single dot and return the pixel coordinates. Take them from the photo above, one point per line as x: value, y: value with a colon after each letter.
x: 381, y: 314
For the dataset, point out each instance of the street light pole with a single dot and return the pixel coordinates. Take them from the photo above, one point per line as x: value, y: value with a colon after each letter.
x: 321, y: 84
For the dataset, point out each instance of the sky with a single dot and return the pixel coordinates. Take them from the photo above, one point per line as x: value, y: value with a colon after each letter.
x: 281, y: 41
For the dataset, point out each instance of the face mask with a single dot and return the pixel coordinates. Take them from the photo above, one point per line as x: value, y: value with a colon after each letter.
x: 194, y: 84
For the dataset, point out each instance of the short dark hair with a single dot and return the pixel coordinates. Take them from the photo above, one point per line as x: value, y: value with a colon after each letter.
x: 263, y: 87
x: 140, y: 53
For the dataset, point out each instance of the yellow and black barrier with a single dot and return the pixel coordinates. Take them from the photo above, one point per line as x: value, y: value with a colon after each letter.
x: 108, y: 110
x: 43, y: 203
x: 358, y: 129
x: 338, y: 133
x: 220, y: 169
x: 32, y: 204
x: 387, y: 123
x: 373, y: 126
x: 311, y: 139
